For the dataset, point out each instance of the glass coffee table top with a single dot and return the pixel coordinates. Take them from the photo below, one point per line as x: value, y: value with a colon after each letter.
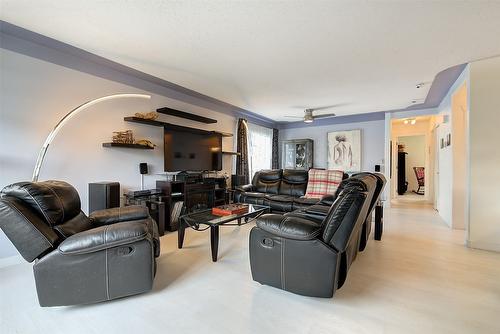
x: 212, y: 222
x: 208, y: 218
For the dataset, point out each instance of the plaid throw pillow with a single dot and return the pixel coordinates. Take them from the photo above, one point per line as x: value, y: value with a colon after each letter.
x: 323, y: 182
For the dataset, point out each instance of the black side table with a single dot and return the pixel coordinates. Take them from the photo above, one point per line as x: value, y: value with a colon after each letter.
x: 156, y: 206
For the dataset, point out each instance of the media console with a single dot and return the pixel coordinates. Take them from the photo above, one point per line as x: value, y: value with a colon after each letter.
x: 185, y: 197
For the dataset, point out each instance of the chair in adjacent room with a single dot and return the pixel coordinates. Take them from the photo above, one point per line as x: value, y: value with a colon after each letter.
x: 420, y: 175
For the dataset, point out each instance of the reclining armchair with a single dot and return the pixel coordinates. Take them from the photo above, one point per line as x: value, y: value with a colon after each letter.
x: 79, y: 259
x: 317, y: 212
x: 312, y: 257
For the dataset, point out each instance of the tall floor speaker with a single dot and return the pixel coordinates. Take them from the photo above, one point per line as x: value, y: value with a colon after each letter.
x: 103, y: 195
x: 237, y: 180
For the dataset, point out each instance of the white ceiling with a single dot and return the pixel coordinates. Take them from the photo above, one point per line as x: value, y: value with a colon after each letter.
x: 274, y: 58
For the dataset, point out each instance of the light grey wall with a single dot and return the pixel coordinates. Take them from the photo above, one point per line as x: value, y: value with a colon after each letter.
x: 444, y: 156
x: 484, y: 159
x: 372, y: 141
x: 35, y: 94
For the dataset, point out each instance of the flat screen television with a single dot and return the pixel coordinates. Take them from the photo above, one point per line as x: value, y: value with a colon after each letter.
x: 191, y: 150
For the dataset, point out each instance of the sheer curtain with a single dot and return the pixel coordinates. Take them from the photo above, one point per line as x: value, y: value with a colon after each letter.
x: 260, y: 144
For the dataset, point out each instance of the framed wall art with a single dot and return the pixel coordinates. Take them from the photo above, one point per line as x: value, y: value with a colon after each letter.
x: 344, y: 150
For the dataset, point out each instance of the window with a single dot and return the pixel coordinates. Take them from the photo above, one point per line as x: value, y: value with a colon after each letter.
x: 260, y: 144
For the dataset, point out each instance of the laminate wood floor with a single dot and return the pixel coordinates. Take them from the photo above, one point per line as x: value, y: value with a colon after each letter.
x: 418, y: 279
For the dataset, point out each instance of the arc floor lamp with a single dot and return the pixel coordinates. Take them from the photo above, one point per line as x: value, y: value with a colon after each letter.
x: 67, y: 117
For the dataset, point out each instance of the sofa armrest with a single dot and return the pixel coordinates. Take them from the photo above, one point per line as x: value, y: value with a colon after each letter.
x: 245, y: 187
x: 116, y: 215
x: 327, y: 200
x: 104, y: 237
x: 289, y: 227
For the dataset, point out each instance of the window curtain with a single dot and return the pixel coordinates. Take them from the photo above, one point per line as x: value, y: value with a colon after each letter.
x: 275, y: 164
x: 259, y: 148
x: 242, y: 149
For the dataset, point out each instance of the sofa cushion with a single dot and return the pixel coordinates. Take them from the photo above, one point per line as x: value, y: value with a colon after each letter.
x: 254, y: 194
x: 305, y: 215
x: 55, y: 201
x: 75, y: 225
x: 268, y: 181
x: 280, y: 206
x: 253, y: 198
x: 280, y: 198
x: 282, y: 203
x: 318, y: 209
x: 289, y: 227
x: 294, y: 182
x: 303, y: 202
x: 323, y: 182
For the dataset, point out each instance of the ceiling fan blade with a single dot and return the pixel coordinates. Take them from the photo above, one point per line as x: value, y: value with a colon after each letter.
x: 324, y: 116
x: 328, y: 107
x: 300, y: 117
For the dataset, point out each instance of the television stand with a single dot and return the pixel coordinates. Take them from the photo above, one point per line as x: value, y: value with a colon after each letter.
x: 191, y: 197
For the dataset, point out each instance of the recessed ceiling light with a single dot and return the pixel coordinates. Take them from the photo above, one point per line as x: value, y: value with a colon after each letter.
x: 420, y: 85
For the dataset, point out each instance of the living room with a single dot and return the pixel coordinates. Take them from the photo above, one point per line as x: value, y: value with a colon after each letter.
x: 275, y: 114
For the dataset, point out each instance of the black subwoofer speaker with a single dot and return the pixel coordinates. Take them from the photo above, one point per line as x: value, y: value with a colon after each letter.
x: 237, y: 180
x: 104, y: 195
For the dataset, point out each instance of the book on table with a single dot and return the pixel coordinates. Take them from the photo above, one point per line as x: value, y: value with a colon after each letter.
x: 230, y: 209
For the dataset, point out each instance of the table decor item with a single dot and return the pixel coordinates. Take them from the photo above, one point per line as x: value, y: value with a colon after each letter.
x: 152, y: 115
x: 230, y: 209
x: 123, y: 137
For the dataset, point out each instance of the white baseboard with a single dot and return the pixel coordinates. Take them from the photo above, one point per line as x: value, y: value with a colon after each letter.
x: 11, y: 260
x: 487, y: 246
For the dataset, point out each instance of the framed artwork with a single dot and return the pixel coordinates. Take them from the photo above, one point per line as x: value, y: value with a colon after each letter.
x: 297, y: 154
x: 344, y: 150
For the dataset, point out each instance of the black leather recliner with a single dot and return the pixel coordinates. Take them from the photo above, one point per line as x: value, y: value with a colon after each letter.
x: 79, y: 259
x: 318, y: 211
x: 312, y: 257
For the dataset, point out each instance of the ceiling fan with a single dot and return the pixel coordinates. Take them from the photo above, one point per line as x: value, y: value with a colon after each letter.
x: 309, y: 117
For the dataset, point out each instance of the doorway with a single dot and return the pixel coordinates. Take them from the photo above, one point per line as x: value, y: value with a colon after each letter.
x: 412, y: 160
x: 410, y: 167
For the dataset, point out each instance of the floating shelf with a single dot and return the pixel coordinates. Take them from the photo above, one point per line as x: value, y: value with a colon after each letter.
x: 231, y: 153
x: 186, y: 115
x: 145, y: 121
x: 141, y: 147
x: 173, y: 126
x: 225, y: 134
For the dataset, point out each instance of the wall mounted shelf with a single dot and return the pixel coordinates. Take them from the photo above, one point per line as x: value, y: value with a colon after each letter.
x: 231, y: 153
x: 137, y: 146
x: 186, y: 115
x: 173, y: 126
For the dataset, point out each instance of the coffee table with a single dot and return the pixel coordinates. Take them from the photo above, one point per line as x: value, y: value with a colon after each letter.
x: 197, y: 219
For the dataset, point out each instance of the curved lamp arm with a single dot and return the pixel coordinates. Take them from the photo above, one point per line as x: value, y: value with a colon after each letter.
x: 65, y: 119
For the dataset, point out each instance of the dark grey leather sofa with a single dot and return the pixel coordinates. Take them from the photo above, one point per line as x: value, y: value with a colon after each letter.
x: 281, y: 190
x: 79, y: 259
x: 311, y: 256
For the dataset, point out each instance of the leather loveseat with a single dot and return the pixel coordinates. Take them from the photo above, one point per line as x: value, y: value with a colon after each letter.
x: 79, y: 259
x: 311, y: 256
x: 281, y: 190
